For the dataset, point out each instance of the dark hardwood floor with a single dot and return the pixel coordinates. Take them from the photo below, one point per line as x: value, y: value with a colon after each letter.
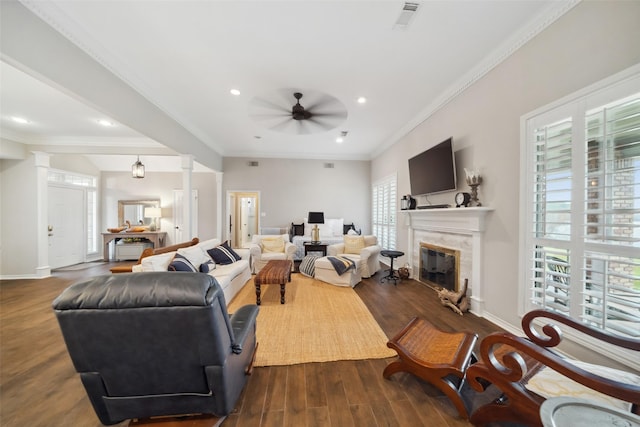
x: 39, y: 386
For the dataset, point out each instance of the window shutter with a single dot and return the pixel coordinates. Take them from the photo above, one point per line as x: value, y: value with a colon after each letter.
x: 384, y: 207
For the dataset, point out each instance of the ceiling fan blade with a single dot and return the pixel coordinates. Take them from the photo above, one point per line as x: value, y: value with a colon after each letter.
x: 322, y: 102
x: 280, y: 127
x: 268, y: 116
x: 301, y: 127
x: 319, y: 126
x: 263, y: 103
x: 336, y: 115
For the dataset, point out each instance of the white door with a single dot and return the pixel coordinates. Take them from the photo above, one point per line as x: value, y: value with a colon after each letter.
x: 66, y: 226
x: 178, y: 209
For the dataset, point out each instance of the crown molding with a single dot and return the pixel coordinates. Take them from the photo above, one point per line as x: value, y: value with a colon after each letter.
x: 499, y: 55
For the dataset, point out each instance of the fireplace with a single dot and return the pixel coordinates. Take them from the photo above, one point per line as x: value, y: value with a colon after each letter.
x: 462, y: 229
x: 439, y: 266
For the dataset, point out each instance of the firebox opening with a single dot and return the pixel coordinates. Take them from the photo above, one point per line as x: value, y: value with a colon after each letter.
x: 439, y: 266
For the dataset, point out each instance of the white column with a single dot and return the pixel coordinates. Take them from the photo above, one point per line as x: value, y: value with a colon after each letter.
x: 41, y: 161
x: 219, y: 176
x: 187, y: 201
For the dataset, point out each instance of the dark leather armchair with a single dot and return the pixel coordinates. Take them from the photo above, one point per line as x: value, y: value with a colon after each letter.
x: 158, y: 343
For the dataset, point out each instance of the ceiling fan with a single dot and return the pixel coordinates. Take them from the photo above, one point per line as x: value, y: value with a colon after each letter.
x: 321, y: 112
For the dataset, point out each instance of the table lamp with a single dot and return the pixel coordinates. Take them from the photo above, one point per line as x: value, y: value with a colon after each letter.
x: 315, y: 218
x: 153, y: 213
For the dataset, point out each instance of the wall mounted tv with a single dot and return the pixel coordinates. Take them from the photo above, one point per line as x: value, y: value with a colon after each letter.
x: 434, y: 170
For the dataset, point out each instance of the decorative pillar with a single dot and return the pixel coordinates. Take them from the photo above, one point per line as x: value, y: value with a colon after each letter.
x: 187, y: 200
x: 219, y: 176
x: 41, y: 163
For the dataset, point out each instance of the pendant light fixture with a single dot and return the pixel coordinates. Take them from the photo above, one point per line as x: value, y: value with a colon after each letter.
x: 137, y: 170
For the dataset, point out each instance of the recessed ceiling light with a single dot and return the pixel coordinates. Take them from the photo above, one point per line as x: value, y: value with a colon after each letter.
x: 339, y: 140
x: 20, y: 120
x: 105, y: 122
x: 362, y: 100
x: 235, y: 92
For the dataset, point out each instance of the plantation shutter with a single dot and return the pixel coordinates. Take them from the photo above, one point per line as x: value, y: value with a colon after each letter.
x: 384, y: 208
x: 611, y: 294
x: 552, y: 179
x: 584, y: 201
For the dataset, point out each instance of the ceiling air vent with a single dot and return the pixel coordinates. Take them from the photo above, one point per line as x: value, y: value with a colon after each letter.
x: 406, y: 16
x: 253, y: 163
x: 329, y: 165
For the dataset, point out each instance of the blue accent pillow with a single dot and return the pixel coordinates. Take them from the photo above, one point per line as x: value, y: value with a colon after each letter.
x: 223, y: 254
x: 207, y: 266
x: 180, y: 263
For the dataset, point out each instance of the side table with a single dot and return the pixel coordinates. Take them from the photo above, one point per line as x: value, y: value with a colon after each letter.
x: 567, y: 411
x: 392, y: 273
x: 315, y: 247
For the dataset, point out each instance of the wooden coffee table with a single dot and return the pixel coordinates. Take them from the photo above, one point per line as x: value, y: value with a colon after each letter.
x: 276, y: 272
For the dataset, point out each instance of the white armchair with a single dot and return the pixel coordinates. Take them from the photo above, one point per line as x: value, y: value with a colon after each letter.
x: 362, y: 248
x: 264, y: 248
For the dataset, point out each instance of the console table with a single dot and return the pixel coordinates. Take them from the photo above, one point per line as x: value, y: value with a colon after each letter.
x: 156, y: 237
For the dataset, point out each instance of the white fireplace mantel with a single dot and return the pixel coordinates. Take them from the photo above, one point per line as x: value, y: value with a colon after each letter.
x: 467, y: 222
x: 454, y: 220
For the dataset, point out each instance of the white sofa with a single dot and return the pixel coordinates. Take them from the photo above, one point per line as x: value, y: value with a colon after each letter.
x: 260, y: 254
x: 368, y: 256
x: 231, y: 277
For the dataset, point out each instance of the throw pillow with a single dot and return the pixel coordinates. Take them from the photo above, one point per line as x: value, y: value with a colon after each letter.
x: 180, y: 263
x: 353, y: 244
x: 297, y: 229
x: 308, y: 265
x: 223, y: 254
x: 207, y: 266
x: 195, y: 254
x: 272, y: 245
x: 157, y: 262
x: 209, y: 244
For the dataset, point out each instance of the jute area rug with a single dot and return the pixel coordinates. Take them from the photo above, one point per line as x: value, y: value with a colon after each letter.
x: 319, y: 322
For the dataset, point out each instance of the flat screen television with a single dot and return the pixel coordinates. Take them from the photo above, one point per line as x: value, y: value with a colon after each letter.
x: 433, y: 170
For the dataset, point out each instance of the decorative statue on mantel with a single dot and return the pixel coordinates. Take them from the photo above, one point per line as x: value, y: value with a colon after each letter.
x: 456, y: 301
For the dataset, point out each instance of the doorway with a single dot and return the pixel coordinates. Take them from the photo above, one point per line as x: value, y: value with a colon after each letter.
x: 243, y: 208
x: 67, y: 236
x: 179, y: 234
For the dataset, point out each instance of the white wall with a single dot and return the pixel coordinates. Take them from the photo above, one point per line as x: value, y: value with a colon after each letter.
x: 290, y: 189
x: 18, y: 218
x: 592, y: 41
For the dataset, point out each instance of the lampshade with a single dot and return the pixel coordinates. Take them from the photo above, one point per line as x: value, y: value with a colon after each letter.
x: 316, y: 218
x: 137, y: 169
x: 152, y: 212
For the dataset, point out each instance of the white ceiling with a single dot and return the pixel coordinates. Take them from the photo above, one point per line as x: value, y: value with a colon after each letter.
x: 185, y: 56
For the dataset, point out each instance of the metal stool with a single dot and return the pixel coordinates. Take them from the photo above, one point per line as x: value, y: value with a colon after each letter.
x: 392, y: 274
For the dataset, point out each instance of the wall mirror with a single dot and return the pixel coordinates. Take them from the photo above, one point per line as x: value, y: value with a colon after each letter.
x: 133, y: 211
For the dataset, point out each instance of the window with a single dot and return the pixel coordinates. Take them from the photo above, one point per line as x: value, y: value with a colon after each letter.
x: 582, y: 222
x: 383, y: 199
